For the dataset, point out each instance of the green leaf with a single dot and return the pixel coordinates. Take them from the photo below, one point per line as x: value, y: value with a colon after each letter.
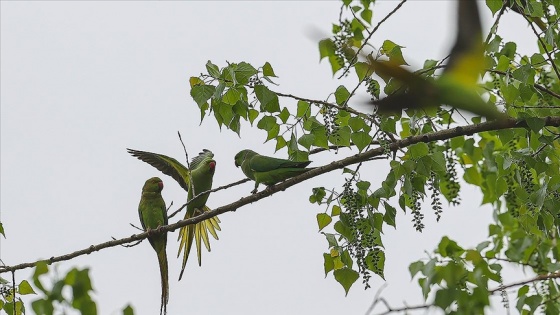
x: 472, y: 176
x: 268, y: 71
x: 390, y: 214
x: 509, y: 50
x: 267, y: 122
x: 40, y: 269
x: 231, y: 97
x: 328, y: 263
x: 361, y: 139
x: 537, y: 60
x: 306, y: 140
x: 2, y: 229
x: 449, y: 248
x: 536, y: 124
x: 363, y: 70
x: 253, y: 114
x: 128, y: 310
x: 549, y: 36
x: 494, y: 5
x: 346, y: 277
x: 280, y: 143
x: 335, y: 210
x: 343, y: 229
x: 503, y: 63
x: 303, y: 109
x: 524, y: 74
x: 366, y: 15
x: 326, y: 48
x: 331, y: 238
x: 394, y: 52
x: 357, y: 123
x: 418, y: 150
x: 341, y: 137
x: 202, y: 93
x: 341, y: 94
x: 268, y: 99
x: 212, y: 69
x: 243, y: 72
x: 25, y: 288
x: 323, y: 220
x: 415, y: 267
x: 284, y: 115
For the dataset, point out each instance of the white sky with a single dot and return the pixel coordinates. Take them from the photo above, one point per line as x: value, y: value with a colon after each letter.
x: 82, y: 81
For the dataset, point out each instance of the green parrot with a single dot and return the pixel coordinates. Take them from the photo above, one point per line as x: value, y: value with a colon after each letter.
x: 153, y: 214
x: 268, y: 170
x: 195, y: 180
x: 457, y: 85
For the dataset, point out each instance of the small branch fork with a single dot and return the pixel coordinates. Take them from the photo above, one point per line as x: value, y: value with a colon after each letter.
x: 354, y: 159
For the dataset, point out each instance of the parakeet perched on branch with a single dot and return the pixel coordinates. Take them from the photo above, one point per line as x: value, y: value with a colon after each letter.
x: 457, y: 85
x: 153, y: 214
x: 195, y: 180
x: 268, y: 170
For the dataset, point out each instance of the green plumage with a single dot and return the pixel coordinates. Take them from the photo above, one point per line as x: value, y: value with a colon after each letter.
x: 268, y: 170
x: 195, y: 181
x: 153, y: 214
x: 456, y: 87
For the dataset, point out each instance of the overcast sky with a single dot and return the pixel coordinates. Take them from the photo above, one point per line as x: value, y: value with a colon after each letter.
x: 82, y: 81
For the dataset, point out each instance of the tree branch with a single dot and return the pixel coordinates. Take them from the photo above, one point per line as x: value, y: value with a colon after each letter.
x: 345, y: 108
x: 402, y: 309
x: 536, y: 86
x: 543, y: 46
x: 555, y: 275
x: 357, y: 158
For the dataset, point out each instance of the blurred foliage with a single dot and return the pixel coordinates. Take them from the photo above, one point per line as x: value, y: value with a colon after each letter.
x: 516, y: 170
x: 69, y: 294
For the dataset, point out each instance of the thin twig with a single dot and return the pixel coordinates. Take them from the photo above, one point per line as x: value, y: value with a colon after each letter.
x: 239, y: 182
x: 345, y: 108
x: 494, y: 27
x: 514, y: 262
x: 128, y: 245
x: 189, y: 184
x: 376, y: 298
x: 402, y: 309
x: 14, y: 289
x: 539, y: 150
x: 371, y: 34
x: 550, y: 59
x: 328, y: 104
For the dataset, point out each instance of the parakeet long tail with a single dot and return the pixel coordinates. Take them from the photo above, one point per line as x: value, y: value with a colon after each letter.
x: 198, y: 232
x: 163, y: 269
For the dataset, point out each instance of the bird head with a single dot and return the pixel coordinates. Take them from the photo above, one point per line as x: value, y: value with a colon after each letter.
x: 242, y: 155
x: 154, y: 184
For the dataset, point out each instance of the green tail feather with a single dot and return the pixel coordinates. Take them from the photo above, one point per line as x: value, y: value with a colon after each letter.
x: 163, y: 268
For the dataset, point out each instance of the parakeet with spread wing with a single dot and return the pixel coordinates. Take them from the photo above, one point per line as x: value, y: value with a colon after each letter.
x: 195, y: 180
x: 268, y: 170
x: 153, y: 214
x: 456, y: 87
